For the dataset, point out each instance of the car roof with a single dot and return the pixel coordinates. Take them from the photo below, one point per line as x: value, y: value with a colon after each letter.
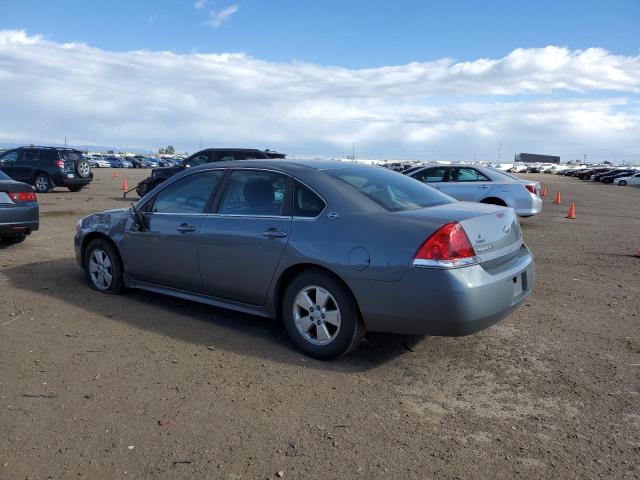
x: 284, y: 164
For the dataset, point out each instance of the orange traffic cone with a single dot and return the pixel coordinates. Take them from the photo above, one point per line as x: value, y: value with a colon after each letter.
x: 544, y: 192
x: 558, y: 198
x: 115, y: 174
x: 125, y: 187
x: 572, y: 211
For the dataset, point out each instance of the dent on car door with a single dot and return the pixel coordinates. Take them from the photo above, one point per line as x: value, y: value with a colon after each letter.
x: 242, y: 243
x: 165, y: 251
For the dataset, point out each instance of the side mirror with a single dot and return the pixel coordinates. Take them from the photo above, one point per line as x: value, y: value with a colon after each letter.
x: 139, y: 220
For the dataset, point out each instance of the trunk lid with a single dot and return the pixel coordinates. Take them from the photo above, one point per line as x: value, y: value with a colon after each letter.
x: 494, y: 231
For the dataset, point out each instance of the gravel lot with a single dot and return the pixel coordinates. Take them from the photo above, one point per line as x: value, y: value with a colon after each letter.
x: 147, y: 386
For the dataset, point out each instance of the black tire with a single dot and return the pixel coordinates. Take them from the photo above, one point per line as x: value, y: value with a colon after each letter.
x: 622, y: 183
x: 83, y: 169
x: 13, y: 239
x: 42, y: 183
x: 351, y: 329
x: 494, y: 201
x: 115, y: 269
x: 75, y: 188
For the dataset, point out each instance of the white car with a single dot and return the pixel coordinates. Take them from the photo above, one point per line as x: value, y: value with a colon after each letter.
x: 98, y: 163
x: 476, y: 183
x: 630, y: 180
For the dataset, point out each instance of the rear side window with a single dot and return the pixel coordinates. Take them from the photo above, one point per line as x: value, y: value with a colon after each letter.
x: 189, y: 194
x: 464, y: 174
x: 306, y: 203
x: 431, y: 175
x: 254, y: 193
x: 47, y: 157
x: 391, y: 190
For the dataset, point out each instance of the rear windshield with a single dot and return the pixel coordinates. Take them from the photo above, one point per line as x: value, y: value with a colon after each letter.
x: 75, y: 156
x: 3, y: 176
x: 501, y: 172
x: 391, y: 190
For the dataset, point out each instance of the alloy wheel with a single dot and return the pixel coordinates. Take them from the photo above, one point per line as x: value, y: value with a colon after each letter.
x: 42, y: 184
x: 316, y: 315
x: 100, y: 269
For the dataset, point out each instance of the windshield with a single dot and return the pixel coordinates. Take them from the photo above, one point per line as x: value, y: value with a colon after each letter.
x: 391, y: 190
x: 501, y: 172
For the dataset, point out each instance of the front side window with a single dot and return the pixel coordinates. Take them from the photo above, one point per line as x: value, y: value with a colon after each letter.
x: 465, y: 174
x: 391, y: 190
x: 9, y: 158
x: 189, y: 194
x: 255, y: 193
x: 306, y: 203
x: 198, y: 159
x: 431, y: 175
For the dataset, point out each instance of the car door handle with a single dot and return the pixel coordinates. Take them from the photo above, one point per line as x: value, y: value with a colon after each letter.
x: 484, y: 187
x: 273, y: 233
x: 186, y: 228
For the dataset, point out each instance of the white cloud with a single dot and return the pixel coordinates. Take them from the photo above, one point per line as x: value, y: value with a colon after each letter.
x: 548, y: 100
x: 218, y: 17
x: 200, y: 4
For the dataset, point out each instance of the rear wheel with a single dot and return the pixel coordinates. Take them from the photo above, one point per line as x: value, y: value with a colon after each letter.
x: 42, y: 183
x: 102, y: 267
x: 321, y: 316
x: 75, y: 188
x: 13, y: 239
x: 622, y: 183
x: 494, y: 201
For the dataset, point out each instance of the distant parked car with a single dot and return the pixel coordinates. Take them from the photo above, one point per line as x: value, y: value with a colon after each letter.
x: 610, y: 177
x: 116, y: 162
x: 333, y: 249
x: 630, y: 180
x: 19, y: 214
x: 98, y: 162
x: 475, y: 183
x: 47, y: 167
x: 208, y: 155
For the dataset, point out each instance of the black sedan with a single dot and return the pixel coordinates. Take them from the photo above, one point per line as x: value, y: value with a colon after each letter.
x: 19, y: 214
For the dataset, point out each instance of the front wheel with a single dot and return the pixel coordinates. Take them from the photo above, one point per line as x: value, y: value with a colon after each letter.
x: 102, y: 267
x: 622, y: 183
x: 321, y: 316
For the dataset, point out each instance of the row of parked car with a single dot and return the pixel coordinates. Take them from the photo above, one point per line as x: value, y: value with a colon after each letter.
x: 138, y: 161
x: 607, y: 175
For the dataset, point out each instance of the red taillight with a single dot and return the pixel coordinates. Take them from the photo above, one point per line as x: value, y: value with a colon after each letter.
x: 531, y: 188
x: 22, y: 196
x: 448, y: 247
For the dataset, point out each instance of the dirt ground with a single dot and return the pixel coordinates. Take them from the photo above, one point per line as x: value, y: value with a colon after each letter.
x: 147, y: 386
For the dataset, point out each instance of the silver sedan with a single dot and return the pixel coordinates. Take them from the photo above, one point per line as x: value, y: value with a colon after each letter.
x: 332, y: 248
x: 476, y: 183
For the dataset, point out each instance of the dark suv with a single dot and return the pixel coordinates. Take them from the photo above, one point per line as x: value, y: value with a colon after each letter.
x: 159, y: 175
x: 47, y: 167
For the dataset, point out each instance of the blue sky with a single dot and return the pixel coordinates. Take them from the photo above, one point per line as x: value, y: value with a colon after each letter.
x: 347, y: 33
x: 404, y: 79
